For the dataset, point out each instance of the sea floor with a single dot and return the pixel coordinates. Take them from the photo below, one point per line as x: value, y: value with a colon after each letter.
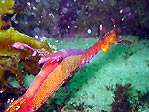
x: 92, y: 87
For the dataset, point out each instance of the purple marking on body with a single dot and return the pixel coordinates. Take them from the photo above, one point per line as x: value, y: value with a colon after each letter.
x: 62, y: 54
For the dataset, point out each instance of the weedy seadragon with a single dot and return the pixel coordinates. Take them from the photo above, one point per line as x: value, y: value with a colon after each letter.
x: 56, y: 69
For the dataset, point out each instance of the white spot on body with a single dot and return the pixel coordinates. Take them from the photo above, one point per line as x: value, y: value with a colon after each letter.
x: 8, y: 101
x: 18, y: 107
x: 12, y: 100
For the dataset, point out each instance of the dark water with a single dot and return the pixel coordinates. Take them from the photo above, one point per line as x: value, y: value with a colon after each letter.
x: 70, y: 18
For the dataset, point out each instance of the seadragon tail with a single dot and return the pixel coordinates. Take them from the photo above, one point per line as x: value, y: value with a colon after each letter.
x: 20, y: 105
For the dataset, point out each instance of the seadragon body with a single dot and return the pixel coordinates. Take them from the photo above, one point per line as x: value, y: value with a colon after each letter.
x: 56, y: 69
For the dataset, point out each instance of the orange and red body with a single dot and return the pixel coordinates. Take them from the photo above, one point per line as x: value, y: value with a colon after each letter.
x: 57, y: 68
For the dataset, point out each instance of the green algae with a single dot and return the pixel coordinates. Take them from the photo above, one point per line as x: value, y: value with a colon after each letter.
x: 92, y: 88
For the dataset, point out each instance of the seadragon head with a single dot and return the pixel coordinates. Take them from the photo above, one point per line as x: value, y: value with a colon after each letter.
x: 109, y: 38
x: 112, y: 38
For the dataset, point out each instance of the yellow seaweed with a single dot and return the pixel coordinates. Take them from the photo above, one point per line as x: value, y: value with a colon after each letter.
x: 6, y: 7
x: 9, y: 56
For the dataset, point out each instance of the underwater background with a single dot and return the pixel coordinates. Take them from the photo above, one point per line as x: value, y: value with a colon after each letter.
x: 113, y: 81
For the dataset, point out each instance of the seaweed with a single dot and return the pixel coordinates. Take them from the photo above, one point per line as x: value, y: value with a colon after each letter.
x: 11, y: 58
x: 120, y: 103
x: 138, y: 100
x: 7, y: 13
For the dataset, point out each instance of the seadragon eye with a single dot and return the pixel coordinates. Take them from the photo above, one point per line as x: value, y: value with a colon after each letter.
x: 59, y: 58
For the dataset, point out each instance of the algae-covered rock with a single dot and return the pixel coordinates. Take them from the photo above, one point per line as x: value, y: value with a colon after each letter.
x: 92, y: 88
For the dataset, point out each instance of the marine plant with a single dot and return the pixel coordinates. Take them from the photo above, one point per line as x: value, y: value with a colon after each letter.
x: 11, y: 57
x: 120, y: 103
